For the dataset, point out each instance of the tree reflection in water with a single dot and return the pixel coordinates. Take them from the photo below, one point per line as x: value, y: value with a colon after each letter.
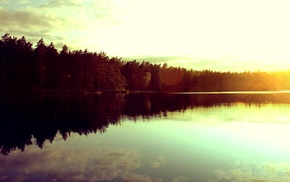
x: 26, y: 117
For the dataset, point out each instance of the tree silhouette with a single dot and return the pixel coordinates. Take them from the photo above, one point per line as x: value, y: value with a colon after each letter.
x: 45, y: 70
x: 41, y: 63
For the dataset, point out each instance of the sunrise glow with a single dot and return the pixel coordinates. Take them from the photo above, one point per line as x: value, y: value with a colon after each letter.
x: 220, y: 35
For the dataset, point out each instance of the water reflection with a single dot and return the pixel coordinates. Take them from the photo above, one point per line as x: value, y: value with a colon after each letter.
x: 264, y: 172
x: 82, y: 163
x: 23, y: 118
x: 222, y: 137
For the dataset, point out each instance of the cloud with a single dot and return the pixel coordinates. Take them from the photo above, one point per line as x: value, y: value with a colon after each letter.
x: 196, y: 63
x: 23, y: 2
x: 4, y: 1
x: 75, y: 22
x: 23, y: 20
x: 60, y: 3
x: 35, y: 25
x: 265, y: 172
x: 88, y: 11
x: 180, y: 179
x: 216, y: 63
x: 126, y: 28
x: 78, y: 164
x: 158, y: 162
x: 76, y: 160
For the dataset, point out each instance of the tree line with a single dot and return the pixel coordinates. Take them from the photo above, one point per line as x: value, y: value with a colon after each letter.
x: 40, y: 118
x: 44, y: 68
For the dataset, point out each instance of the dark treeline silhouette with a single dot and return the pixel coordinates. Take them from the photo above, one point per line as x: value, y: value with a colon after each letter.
x: 41, y: 118
x: 43, y: 69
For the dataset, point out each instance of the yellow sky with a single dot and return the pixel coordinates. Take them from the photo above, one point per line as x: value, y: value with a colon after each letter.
x: 223, y: 35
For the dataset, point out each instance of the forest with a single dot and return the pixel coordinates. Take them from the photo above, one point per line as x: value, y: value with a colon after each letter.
x: 29, y: 119
x: 44, y: 69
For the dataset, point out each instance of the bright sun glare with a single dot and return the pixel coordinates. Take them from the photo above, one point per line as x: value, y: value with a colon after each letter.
x: 222, y: 35
x: 251, y: 31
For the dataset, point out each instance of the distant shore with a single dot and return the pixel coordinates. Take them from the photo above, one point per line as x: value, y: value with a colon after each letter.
x: 98, y: 92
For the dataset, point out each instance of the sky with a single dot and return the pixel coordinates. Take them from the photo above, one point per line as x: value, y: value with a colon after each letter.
x: 221, y: 35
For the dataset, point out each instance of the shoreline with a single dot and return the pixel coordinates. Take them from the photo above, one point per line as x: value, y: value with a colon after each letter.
x: 98, y: 92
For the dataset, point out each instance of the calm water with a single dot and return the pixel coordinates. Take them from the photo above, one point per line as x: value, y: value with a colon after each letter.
x: 146, y: 137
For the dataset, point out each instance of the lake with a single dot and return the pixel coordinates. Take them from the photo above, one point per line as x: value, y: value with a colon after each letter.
x: 173, y: 137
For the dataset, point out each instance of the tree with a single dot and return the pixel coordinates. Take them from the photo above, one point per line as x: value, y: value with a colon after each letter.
x: 41, y: 64
x: 24, y: 50
x: 52, y: 64
x: 64, y: 50
x: 4, y: 47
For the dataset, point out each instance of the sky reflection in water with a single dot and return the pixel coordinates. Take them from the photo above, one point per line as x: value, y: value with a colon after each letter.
x: 214, y: 144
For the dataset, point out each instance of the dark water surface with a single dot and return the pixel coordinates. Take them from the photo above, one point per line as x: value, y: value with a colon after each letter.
x: 146, y: 137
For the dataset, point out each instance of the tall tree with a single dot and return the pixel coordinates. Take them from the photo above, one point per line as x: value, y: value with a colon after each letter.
x: 24, y: 50
x: 40, y: 56
x: 52, y: 70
